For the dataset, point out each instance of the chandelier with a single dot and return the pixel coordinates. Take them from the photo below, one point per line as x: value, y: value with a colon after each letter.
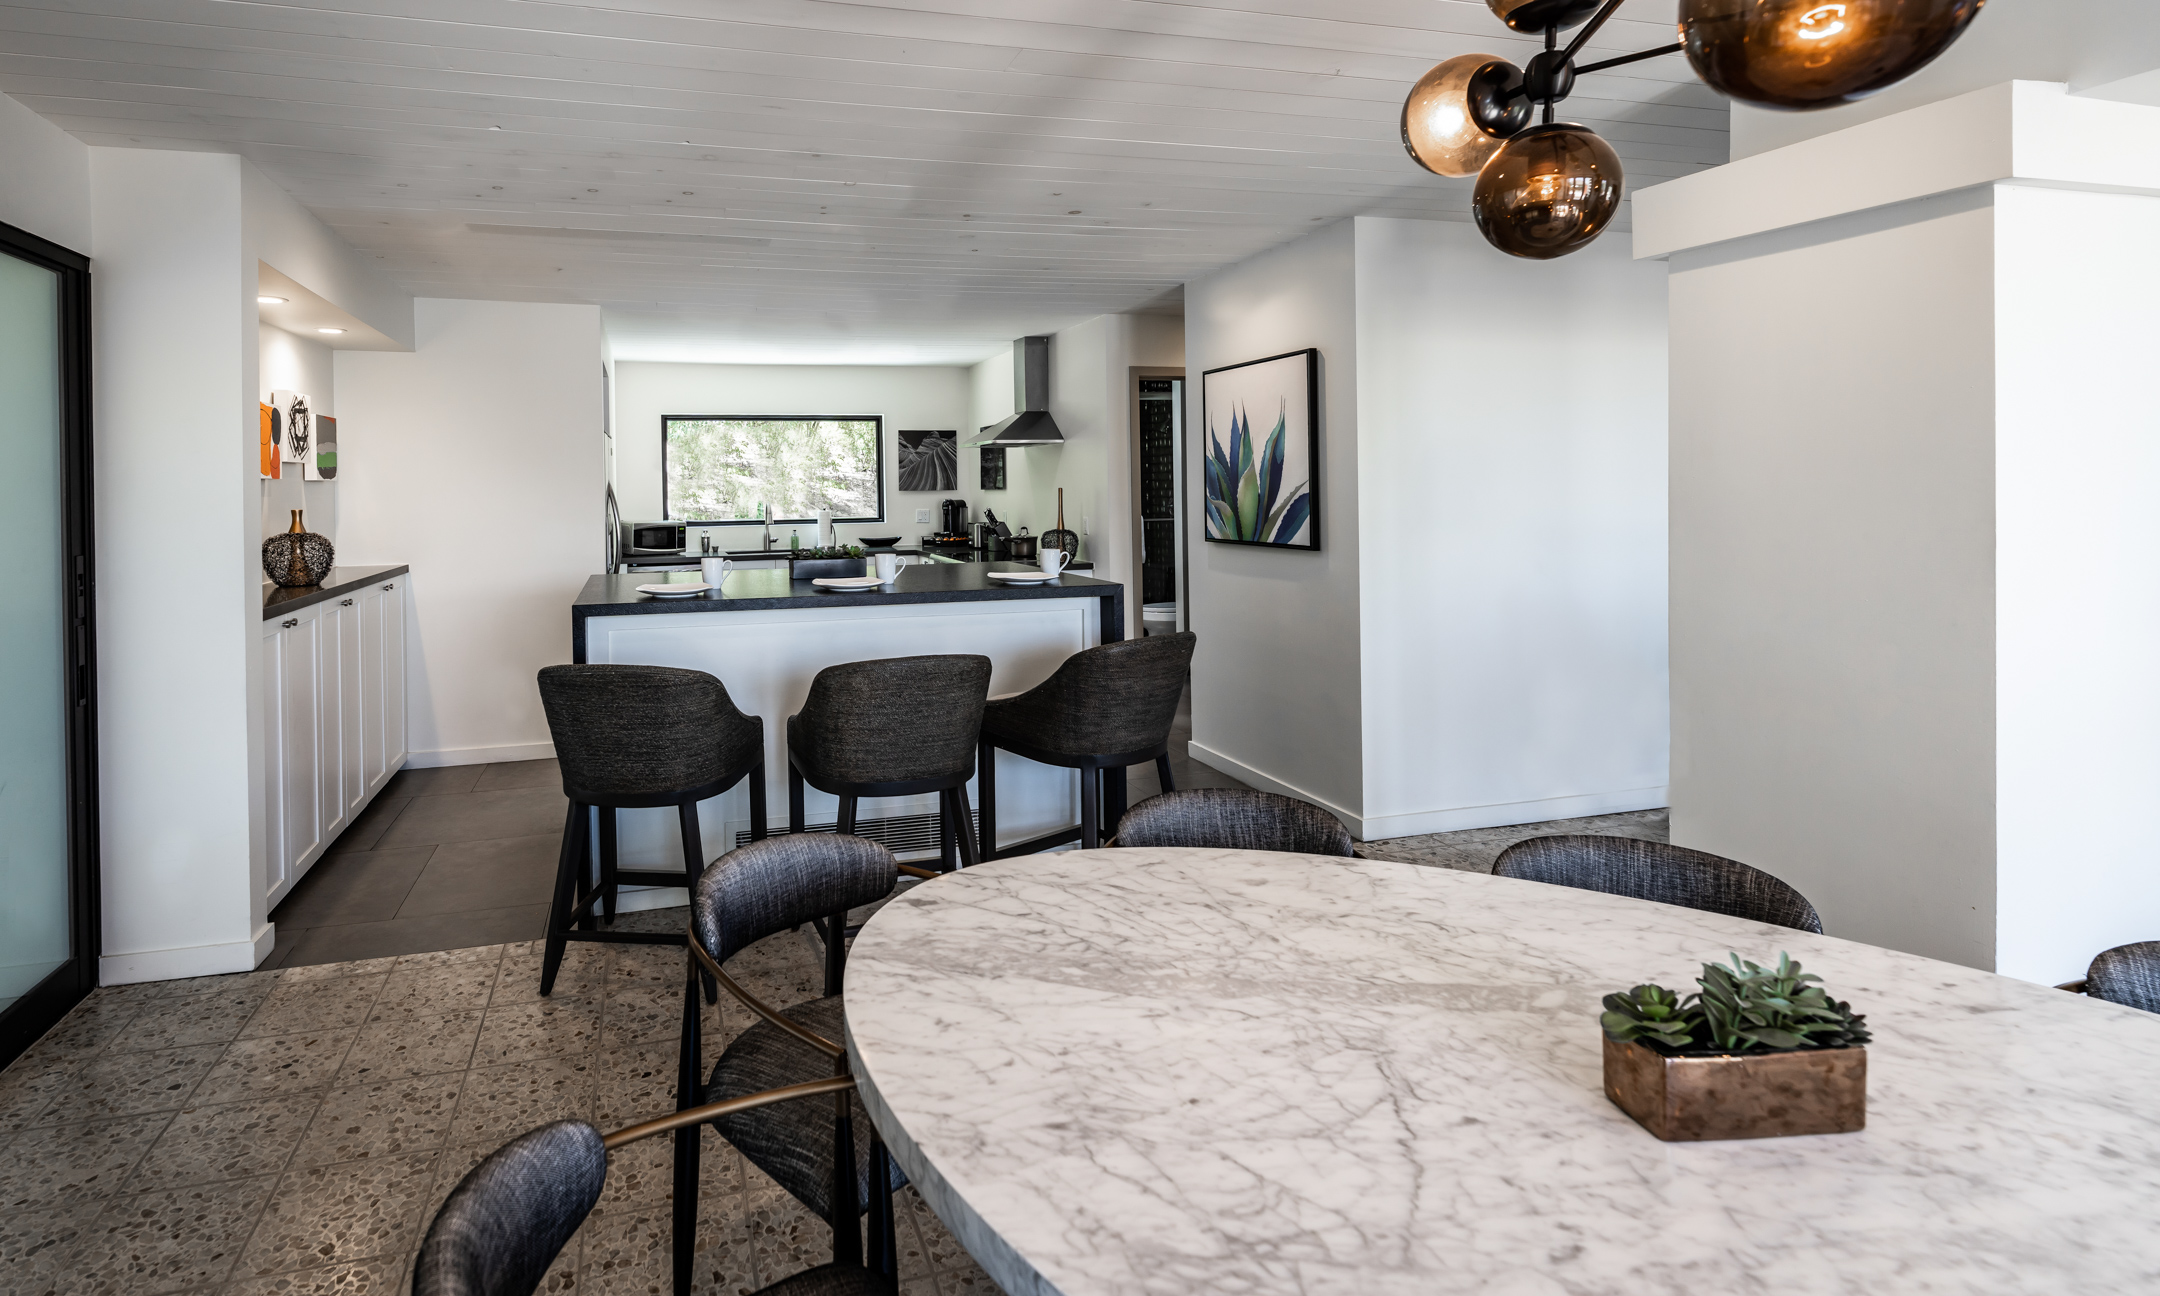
x: 1546, y: 189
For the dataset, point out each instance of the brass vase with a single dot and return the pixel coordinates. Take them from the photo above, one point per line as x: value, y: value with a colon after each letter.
x: 298, y: 558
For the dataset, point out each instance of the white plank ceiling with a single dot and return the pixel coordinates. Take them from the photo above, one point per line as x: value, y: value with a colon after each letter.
x: 905, y: 181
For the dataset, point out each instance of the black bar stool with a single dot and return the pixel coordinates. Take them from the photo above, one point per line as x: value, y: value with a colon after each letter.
x: 899, y: 726
x: 1104, y: 709
x: 635, y: 736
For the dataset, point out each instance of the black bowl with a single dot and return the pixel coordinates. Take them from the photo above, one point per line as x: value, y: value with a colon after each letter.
x: 877, y: 542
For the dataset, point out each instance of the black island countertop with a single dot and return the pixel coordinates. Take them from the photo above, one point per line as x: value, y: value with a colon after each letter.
x: 766, y: 589
x: 279, y: 600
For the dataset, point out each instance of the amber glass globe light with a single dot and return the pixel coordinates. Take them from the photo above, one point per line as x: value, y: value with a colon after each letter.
x: 1547, y: 192
x: 1816, y: 53
x: 1439, y: 126
x: 1537, y: 15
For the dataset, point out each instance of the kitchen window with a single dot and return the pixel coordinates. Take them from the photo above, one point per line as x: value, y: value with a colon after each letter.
x: 723, y: 467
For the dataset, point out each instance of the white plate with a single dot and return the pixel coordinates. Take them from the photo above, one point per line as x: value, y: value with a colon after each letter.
x: 1026, y: 577
x: 682, y: 590
x: 847, y: 582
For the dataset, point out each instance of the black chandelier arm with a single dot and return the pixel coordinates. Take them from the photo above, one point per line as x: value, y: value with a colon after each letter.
x: 1590, y: 28
x: 1660, y: 52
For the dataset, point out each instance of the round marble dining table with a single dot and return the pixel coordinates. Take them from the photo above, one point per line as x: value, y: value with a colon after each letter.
x: 1171, y: 1071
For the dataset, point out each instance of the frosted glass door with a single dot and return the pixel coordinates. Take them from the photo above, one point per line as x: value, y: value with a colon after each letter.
x: 35, y: 921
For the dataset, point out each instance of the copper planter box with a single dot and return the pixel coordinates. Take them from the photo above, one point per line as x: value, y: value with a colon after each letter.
x: 1761, y: 1095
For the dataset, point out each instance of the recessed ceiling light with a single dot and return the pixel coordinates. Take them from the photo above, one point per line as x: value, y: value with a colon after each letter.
x: 270, y: 301
x: 324, y: 330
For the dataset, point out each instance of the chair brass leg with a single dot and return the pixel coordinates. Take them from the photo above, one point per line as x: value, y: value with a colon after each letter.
x: 559, y: 903
x: 609, y: 887
x: 758, y: 825
x: 986, y: 786
x: 1090, y: 805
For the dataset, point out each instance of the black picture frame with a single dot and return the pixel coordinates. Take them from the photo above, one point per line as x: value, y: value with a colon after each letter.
x: 1311, y: 403
x: 45, y: 1003
x: 667, y: 512
x: 928, y: 461
x: 993, y: 467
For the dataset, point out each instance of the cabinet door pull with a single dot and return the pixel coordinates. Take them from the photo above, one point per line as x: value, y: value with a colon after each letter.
x: 287, y: 625
x: 389, y: 587
x: 344, y: 602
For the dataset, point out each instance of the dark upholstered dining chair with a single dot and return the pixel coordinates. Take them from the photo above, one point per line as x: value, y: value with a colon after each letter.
x: 2128, y: 975
x: 1233, y: 819
x: 899, y: 726
x: 508, y: 1219
x: 638, y: 736
x: 1103, y: 709
x: 1647, y: 870
x: 747, y: 895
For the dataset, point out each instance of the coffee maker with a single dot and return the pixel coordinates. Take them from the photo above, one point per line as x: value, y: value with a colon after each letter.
x: 953, y: 518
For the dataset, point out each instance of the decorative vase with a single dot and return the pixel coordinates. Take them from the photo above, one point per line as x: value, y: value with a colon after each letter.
x: 297, y: 558
x: 1739, y: 1095
x: 1059, y: 537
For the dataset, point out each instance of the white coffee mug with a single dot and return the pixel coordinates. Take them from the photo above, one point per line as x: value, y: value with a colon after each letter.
x: 1054, y: 560
x: 888, y: 567
x: 714, y: 570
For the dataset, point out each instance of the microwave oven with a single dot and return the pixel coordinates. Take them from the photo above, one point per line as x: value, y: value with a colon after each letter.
x: 654, y: 538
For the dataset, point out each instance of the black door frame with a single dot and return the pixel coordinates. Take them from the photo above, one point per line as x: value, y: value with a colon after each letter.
x: 49, y: 1000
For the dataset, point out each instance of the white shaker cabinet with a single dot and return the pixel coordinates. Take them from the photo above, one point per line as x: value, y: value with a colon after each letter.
x: 333, y: 692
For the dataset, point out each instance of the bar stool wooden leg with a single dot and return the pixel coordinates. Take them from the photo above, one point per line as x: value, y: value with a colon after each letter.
x: 689, y: 1092
x: 963, y: 829
x: 1162, y: 773
x: 588, y: 872
x: 1090, y: 807
x: 1112, y: 782
x: 758, y: 825
x: 559, y: 905
x: 795, y: 800
x: 693, y: 854
x: 948, y: 858
x: 986, y: 785
x: 847, y: 816
x: 609, y: 887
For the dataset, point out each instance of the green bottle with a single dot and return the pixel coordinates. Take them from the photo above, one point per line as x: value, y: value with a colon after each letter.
x: 794, y: 540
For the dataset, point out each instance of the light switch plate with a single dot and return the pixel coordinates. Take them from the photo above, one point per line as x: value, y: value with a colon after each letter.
x: 922, y: 517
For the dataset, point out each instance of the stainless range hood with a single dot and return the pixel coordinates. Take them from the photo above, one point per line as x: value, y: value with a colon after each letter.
x: 1032, y: 426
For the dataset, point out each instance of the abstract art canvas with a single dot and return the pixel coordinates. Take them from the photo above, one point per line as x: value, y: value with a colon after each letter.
x: 268, y: 433
x: 930, y: 461
x: 322, y: 463
x: 1261, y: 451
x: 298, y: 425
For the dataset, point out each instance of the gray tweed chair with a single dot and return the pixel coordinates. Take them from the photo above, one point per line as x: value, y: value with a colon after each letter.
x: 2128, y: 975
x: 1233, y: 819
x: 1647, y: 870
x: 900, y: 726
x: 631, y: 736
x: 747, y: 895
x: 1104, y: 709
x: 507, y: 1220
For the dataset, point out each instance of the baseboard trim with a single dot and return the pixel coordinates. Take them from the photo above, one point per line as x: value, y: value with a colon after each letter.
x: 189, y: 961
x: 478, y: 755
x: 1454, y: 819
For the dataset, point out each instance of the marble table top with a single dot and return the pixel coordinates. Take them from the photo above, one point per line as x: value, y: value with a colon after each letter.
x: 1171, y: 1071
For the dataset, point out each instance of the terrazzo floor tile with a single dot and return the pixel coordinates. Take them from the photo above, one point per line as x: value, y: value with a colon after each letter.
x: 314, y: 972
x: 421, y: 990
x: 632, y: 1255
x: 379, y: 1277
x: 212, y: 1018
x: 38, y: 1248
x: 517, y: 979
x: 637, y: 1083
x: 395, y: 1050
x: 394, y: 1119
x: 445, y: 958
x: 560, y: 1026
x: 357, y: 1210
x: 506, y: 1100
x: 253, y: 1068
x: 226, y: 1141
x: 316, y: 1005
x: 29, y: 1087
x: 123, y: 1084
x: 93, y: 1024
x: 171, y: 1240
x: 61, y: 1163
x: 641, y: 1014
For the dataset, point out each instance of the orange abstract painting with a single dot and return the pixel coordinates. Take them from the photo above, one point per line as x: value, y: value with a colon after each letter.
x: 269, y: 461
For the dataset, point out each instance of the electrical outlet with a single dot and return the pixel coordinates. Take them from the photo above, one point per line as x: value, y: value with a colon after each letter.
x: 922, y: 517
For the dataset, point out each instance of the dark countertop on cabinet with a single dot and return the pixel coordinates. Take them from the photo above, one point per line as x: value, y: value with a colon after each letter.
x: 765, y: 589
x: 278, y: 600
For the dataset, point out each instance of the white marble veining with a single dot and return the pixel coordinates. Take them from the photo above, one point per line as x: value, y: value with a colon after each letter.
x: 1143, y: 1071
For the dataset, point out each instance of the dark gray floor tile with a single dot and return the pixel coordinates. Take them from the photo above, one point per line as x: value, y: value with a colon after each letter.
x: 517, y: 774
x: 64, y: 1163
x: 478, y: 816
x: 123, y: 1084
x: 362, y: 886
x: 419, y: 935
x: 495, y: 874
x: 176, y: 1239
x: 357, y: 1210
x: 226, y: 1141
x: 411, y: 782
x: 37, y: 1248
x: 364, y: 832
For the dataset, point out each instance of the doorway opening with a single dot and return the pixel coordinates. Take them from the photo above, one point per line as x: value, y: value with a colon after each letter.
x: 1158, y: 484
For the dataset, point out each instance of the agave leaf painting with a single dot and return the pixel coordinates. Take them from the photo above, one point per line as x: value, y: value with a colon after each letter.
x: 1261, y: 453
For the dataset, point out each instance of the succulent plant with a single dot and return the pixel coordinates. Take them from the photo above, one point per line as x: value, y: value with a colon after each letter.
x: 1744, y: 1008
x: 829, y: 551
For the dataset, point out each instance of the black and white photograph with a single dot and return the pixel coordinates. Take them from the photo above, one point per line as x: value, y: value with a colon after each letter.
x: 930, y: 461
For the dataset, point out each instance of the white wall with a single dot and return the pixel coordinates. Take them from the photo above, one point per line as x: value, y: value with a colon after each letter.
x: 477, y: 458
x: 47, y: 170
x: 1511, y: 531
x: 1277, y: 676
x: 909, y: 397
x: 175, y: 342
x: 289, y: 362
x: 1091, y: 398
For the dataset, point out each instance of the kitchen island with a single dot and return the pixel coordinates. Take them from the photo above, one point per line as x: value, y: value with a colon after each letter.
x: 766, y: 637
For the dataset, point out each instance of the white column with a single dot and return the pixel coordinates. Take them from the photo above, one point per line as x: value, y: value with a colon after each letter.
x: 1915, y: 617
